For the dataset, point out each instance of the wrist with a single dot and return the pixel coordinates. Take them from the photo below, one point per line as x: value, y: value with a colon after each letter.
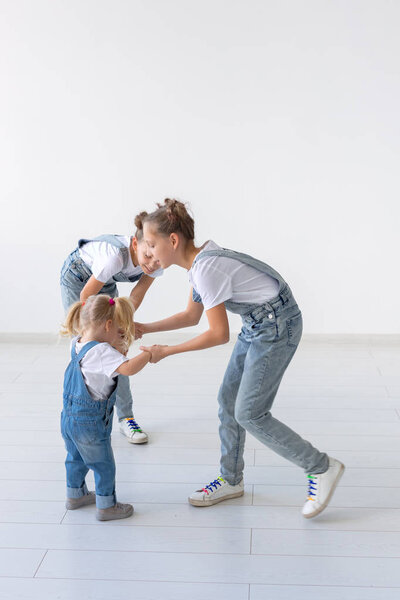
x: 168, y: 351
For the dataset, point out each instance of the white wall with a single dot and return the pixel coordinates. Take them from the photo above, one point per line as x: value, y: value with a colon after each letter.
x: 277, y: 120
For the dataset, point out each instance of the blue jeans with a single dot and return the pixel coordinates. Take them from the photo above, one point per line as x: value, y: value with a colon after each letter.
x: 74, y: 275
x: 264, y: 348
x: 86, y: 430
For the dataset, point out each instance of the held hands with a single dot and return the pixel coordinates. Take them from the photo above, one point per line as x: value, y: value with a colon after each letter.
x: 157, y: 352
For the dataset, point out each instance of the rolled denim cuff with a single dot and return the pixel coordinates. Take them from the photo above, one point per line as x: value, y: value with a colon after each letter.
x: 105, y: 501
x: 77, y: 492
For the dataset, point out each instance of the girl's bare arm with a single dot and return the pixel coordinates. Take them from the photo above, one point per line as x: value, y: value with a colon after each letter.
x: 138, y: 292
x: 92, y: 287
x: 217, y: 333
x: 188, y: 317
x: 135, y: 364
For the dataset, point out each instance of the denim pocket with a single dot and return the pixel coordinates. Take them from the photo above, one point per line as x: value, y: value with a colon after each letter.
x: 84, y: 430
x: 294, y: 327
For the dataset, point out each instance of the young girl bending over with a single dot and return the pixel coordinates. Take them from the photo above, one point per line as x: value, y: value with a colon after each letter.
x: 104, y: 329
x: 95, y: 267
x: 224, y: 280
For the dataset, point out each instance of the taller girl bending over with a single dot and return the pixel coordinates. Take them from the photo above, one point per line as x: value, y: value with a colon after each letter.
x: 95, y: 267
x: 224, y: 280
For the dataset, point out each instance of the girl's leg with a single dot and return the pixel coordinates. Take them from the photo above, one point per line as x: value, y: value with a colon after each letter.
x: 72, y: 279
x: 265, y: 364
x: 232, y: 435
x: 99, y: 457
x: 76, y: 471
x: 124, y: 399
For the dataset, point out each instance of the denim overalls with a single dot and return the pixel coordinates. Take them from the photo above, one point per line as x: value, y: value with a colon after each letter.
x: 86, y: 428
x: 74, y: 275
x: 265, y: 346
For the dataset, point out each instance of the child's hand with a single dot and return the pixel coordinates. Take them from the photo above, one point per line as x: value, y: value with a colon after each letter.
x: 147, y: 351
x: 157, y: 351
x: 139, y: 330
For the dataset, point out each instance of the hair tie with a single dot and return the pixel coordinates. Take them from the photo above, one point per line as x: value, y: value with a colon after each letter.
x: 111, y: 301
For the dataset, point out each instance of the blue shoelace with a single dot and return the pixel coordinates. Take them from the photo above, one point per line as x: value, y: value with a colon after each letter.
x: 214, y: 485
x: 312, y: 487
x: 133, y: 425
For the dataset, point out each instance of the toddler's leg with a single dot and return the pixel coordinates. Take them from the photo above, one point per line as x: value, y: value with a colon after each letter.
x: 77, y: 492
x: 99, y: 457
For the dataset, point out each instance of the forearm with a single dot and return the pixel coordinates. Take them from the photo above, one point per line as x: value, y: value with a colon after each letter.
x: 177, y: 321
x: 136, y: 299
x: 134, y: 365
x: 208, y: 339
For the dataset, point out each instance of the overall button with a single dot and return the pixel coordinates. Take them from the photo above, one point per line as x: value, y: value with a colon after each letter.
x: 270, y: 316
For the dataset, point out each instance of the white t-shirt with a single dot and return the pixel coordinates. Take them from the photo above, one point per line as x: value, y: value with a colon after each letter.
x: 99, y: 367
x: 105, y: 260
x: 218, y: 278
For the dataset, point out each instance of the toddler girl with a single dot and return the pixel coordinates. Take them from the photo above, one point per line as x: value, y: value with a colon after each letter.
x: 104, y: 330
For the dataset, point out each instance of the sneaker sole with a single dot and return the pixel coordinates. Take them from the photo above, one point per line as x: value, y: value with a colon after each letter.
x: 321, y: 508
x: 211, y: 502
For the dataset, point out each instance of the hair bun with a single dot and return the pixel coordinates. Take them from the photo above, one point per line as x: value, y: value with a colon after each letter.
x: 139, y: 219
x: 172, y: 216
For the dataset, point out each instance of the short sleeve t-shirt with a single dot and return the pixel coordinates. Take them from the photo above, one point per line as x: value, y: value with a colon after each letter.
x: 219, y: 278
x: 105, y: 260
x: 99, y: 367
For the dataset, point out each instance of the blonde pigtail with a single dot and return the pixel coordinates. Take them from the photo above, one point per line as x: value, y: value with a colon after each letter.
x: 72, y: 325
x: 124, y: 318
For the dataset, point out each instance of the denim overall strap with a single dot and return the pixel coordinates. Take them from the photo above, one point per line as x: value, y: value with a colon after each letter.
x: 78, y: 357
x: 75, y: 386
x: 241, y: 308
x: 123, y: 250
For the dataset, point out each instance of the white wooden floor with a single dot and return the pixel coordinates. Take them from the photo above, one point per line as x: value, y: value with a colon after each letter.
x: 341, y: 393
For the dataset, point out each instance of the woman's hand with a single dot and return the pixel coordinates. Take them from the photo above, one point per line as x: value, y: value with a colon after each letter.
x: 158, y: 352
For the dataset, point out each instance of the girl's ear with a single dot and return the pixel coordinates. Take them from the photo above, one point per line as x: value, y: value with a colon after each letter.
x: 108, y: 325
x: 174, y: 240
x: 134, y: 243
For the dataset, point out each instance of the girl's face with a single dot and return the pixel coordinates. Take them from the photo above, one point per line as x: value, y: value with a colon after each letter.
x: 162, y: 248
x: 111, y: 332
x: 145, y: 260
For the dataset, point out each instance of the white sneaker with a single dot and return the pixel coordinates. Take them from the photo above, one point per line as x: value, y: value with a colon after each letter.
x: 216, y: 491
x: 321, y: 487
x: 133, y: 432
